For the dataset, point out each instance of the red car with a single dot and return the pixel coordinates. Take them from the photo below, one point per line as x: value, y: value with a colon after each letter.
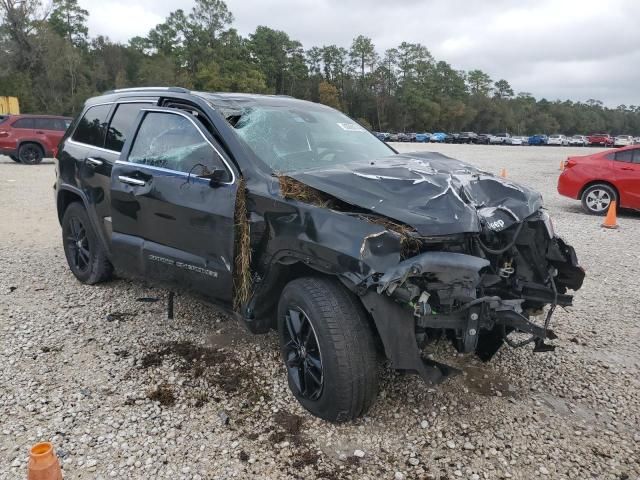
x: 601, y: 139
x: 598, y: 179
x: 30, y: 138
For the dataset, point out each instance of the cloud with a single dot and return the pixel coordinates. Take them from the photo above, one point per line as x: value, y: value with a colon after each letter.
x: 567, y: 49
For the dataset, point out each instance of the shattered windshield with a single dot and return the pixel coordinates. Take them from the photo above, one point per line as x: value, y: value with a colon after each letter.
x: 289, y: 138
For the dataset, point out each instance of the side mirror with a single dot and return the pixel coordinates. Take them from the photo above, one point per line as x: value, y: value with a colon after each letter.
x: 216, y: 177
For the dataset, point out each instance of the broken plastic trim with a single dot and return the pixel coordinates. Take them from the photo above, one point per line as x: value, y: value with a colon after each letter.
x: 448, y: 267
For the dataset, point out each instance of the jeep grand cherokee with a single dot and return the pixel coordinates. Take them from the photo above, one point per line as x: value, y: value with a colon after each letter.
x: 296, y: 218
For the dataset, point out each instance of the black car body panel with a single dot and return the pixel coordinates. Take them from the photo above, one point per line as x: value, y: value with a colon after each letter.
x: 433, y: 193
x: 428, y: 243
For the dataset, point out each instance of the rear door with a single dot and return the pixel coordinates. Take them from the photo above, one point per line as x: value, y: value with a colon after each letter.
x: 99, y: 137
x: 627, y: 173
x: 51, y: 130
x: 171, y: 224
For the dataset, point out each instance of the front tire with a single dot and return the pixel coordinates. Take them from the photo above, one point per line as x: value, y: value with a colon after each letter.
x: 328, y: 349
x: 30, y: 154
x: 597, y: 198
x: 85, y: 255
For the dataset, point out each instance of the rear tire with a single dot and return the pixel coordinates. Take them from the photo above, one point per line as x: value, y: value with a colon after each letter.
x: 597, y: 198
x: 30, y: 153
x: 325, y: 334
x: 86, y: 257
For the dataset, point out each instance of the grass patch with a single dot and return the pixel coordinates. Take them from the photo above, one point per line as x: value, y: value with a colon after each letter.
x: 242, y: 282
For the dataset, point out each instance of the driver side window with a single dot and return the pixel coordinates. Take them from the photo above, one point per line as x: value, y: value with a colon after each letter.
x: 172, y: 141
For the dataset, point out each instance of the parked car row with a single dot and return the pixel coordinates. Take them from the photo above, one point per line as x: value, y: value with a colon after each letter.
x: 596, y: 139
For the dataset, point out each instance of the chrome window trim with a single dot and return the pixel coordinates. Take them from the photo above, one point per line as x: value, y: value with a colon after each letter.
x: 88, y: 145
x: 167, y: 170
x: 82, y: 144
x: 188, y: 117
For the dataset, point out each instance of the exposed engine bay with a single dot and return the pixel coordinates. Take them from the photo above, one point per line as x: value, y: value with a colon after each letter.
x: 479, y: 289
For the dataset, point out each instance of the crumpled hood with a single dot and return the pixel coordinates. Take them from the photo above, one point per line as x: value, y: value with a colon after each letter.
x: 433, y: 193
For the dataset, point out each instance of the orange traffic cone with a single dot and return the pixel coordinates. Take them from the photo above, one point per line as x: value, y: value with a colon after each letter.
x: 561, y: 165
x: 43, y: 463
x: 503, y: 173
x: 610, y: 221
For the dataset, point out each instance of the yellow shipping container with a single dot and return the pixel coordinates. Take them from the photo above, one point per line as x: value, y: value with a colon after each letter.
x: 9, y: 105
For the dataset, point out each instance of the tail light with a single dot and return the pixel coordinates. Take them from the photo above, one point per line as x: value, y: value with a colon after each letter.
x: 4, y: 133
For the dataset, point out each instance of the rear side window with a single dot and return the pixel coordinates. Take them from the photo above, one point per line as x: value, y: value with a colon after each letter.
x: 56, y: 124
x: 91, y: 127
x: 624, y: 156
x: 121, y: 124
x: 24, y: 123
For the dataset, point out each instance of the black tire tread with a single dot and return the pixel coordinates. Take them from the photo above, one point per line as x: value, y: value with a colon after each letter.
x: 101, y: 268
x: 352, y: 340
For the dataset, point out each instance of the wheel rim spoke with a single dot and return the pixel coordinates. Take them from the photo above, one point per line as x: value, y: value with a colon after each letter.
x: 311, y: 375
x: 294, y: 324
x: 598, y: 200
x: 84, y: 254
x: 76, y: 237
x: 302, y: 355
x: 314, y: 363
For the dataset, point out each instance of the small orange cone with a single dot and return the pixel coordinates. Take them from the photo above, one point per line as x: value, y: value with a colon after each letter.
x: 43, y: 463
x: 610, y: 221
x: 503, y: 173
x: 561, y: 165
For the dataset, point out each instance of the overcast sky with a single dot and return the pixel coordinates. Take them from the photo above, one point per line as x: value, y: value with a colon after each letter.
x: 575, y: 49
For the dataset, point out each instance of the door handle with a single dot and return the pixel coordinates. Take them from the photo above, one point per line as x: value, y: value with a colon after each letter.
x: 94, y: 161
x: 132, y: 181
x: 626, y: 168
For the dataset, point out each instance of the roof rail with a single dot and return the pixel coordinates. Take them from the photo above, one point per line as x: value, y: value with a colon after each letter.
x: 146, y: 89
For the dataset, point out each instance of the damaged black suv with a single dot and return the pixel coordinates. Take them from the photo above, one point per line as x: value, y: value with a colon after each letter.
x: 296, y: 218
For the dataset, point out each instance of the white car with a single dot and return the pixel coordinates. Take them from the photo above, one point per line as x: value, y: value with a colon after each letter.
x: 622, y: 141
x: 500, y: 139
x: 513, y: 141
x: 578, y: 141
x: 558, y: 140
x: 636, y: 141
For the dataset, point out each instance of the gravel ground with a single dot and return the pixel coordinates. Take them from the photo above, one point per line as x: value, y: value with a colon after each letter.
x: 123, y: 392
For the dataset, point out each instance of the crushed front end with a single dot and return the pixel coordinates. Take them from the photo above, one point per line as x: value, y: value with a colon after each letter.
x: 475, y: 290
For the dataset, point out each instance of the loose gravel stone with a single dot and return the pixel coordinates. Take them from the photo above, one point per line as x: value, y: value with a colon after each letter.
x: 69, y: 376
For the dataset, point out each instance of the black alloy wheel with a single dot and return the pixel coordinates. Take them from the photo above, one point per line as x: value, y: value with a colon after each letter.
x: 302, y: 354
x: 30, y: 154
x: 328, y: 348
x: 86, y: 257
x: 77, y: 244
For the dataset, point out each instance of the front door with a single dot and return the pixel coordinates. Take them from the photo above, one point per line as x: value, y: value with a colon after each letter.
x: 170, y: 222
x: 627, y: 168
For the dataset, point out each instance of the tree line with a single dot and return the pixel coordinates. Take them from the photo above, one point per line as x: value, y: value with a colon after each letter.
x: 48, y: 60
